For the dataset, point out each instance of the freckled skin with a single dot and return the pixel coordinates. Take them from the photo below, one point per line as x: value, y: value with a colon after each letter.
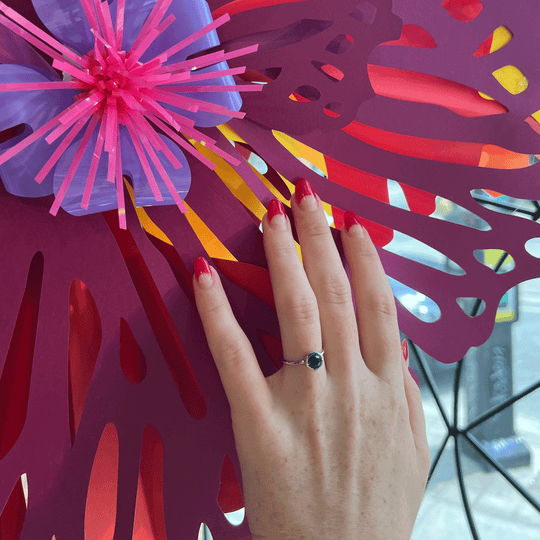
x: 319, y: 489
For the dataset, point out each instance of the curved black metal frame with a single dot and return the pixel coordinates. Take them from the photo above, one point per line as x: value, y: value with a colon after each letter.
x: 453, y: 429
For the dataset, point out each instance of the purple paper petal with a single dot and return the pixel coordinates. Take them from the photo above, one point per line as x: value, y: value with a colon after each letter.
x: 15, y: 50
x: 181, y: 178
x: 34, y: 108
x: 104, y: 192
x: 66, y: 20
x: 192, y: 15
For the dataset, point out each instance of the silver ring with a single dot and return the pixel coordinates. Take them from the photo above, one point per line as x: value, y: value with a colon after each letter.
x: 312, y: 360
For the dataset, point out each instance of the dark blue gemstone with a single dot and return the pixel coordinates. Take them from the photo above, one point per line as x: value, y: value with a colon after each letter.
x: 314, y: 360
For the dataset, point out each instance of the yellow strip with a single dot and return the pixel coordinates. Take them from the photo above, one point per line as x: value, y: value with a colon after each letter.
x: 230, y: 133
x: 210, y: 242
x: 485, y: 96
x: 146, y: 223
x: 300, y: 150
x: 240, y: 189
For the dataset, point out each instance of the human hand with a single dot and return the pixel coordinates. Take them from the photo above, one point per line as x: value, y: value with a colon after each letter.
x: 337, y: 452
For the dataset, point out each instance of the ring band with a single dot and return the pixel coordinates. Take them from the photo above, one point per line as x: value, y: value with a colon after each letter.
x: 312, y: 360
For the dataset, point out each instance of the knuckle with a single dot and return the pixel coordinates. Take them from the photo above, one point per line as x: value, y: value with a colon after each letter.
x: 282, y: 248
x: 317, y: 229
x: 303, y: 311
x: 334, y: 290
x: 211, y: 308
x: 383, y: 304
x: 232, y: 353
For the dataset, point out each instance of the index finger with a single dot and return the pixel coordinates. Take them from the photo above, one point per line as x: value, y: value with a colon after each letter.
x: 242, y: 378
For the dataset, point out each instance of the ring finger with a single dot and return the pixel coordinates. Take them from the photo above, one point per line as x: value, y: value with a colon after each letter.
x: 296, y: 305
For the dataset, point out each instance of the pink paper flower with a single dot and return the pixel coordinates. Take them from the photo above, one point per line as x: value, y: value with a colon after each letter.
x: 125, y: 76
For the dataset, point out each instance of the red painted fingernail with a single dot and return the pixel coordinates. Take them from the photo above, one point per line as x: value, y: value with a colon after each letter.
x: 405, y: 349
x: 303, y: 189
x: 350, y: 220
x: 414, y: 376
x: 202, y: 272
x: 275, y: 208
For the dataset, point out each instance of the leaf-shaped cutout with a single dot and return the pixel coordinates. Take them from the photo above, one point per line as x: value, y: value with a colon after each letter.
x: 477, y: 154
x: 364, y: 12
x: 132, y: 359
x: 204, y: 533
x: 14, y: 513
x: 413, y: 35
x: 83, y: 349
x: 271, y: 73
x: 416, y: 303
x: 498, y: 260
x: 504, y: 204
x: 330, y: 71
x: 463, y: 10
x: 165, y: 331
x: 333, y: 109
x: 340, y: 44
x: 305, y: 93
x: 533, y: 247
x: 11, y: 132
x: 511, y: 79
x: 423, y: 88
x: 17, y: 371
x: 307, y: 155
x: 230, y: 498
x: 258, y: 163
x: 149, y: 523
x: 454, y: 213
x: 467, y: 304
x: 251, y: 278
x: 312, y: 167
x: 496, y: 40
x: 415, y: 250
x: 263, y: 76
x: 101, y: 499
x: 271, y: 174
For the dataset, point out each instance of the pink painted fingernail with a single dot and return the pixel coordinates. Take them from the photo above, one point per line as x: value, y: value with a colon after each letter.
x: 405, y: 349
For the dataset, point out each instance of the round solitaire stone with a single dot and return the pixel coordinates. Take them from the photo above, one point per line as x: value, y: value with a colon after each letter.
x: 314, y: 360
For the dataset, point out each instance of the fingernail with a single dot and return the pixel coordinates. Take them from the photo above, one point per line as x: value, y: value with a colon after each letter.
x: 304, y: 192
x: 414, y: 375
x: 276, y: 214
x: 405, y: 349
x: 203, y: 272
x: 351, y: 220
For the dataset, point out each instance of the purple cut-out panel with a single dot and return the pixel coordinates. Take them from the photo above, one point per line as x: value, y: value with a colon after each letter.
x: 84, y: 248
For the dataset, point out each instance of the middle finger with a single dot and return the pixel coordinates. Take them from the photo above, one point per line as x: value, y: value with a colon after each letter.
x: 328, y: 279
